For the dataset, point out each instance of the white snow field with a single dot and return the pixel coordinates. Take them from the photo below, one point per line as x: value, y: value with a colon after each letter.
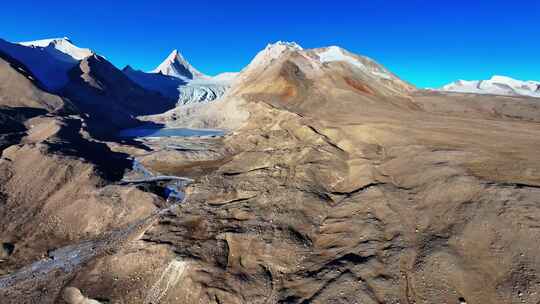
x: 63, y: 45
x: 49, y: 65
x: 496, y: 85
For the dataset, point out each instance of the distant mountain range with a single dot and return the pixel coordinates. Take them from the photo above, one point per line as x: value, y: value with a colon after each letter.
x: 497, y: 85
x: 50, y: 60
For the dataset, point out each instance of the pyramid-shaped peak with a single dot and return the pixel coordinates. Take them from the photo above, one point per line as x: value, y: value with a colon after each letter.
x: 174, y: 54
x: 177, y: 66
x: 128, y: 68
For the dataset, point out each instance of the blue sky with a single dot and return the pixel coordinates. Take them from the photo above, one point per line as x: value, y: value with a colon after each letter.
x: 428, y: 43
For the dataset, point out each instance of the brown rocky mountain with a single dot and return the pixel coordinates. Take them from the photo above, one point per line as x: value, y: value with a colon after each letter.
x: 109, y: 97
x: 51, y: 170
x: 21, y: 99
x: 337, y: 183
x: 18, y: 88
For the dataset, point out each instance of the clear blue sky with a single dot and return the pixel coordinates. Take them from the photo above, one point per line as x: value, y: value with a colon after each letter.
x: 428, y: 43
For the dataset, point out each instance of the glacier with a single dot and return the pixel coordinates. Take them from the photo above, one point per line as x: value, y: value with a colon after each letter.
x: 176, y: 78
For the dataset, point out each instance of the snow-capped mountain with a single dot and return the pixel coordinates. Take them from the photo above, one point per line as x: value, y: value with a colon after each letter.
x: 63, y: 45
x: 271, y: 52
x: 177, y: 78
x: 49, y: 65
x: 497, y: 85
x: 317, y: 62
x: 49, y: 60
x: 175, y: 65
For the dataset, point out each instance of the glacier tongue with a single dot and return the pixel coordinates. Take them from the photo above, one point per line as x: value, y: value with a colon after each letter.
x: 185, y: 91
x: 200, y: 93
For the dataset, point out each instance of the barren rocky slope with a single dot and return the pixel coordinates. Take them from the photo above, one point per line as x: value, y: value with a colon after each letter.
x: 57, y: 185
x: 111, y: 100
x: 338, y: 183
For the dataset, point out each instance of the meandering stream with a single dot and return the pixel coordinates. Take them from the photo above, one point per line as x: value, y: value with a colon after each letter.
x: 70, y: 258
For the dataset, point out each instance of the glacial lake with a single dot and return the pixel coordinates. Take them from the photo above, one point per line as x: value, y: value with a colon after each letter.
x: 142, y: 132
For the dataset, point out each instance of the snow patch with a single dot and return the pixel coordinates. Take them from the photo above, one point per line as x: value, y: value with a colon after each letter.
x: 334, y: 53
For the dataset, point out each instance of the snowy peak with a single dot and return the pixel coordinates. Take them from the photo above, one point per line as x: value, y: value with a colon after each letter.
x: 319, y: 57
x: 48, y: 65
x: 271, y: 52
x: 284, y: 45
x: 496, y: 85
x: 177, y: 66
x: 63, y: 45
x: 45, y: 42
x: 294, y: 66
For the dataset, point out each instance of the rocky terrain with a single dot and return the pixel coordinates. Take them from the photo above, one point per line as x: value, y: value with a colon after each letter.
x: 336, y: 182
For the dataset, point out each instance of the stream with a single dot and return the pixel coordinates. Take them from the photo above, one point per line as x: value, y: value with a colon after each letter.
x: 70, y: 258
